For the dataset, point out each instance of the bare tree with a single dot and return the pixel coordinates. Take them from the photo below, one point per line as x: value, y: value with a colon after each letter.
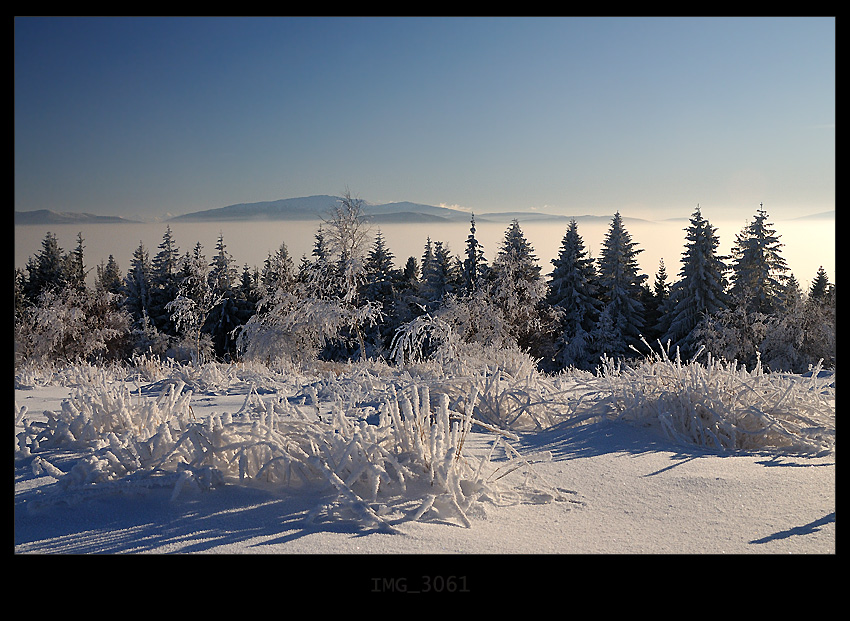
x: 302, y: 322
x: 347, y: 237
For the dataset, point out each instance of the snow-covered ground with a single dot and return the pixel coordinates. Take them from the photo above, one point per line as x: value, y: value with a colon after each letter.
x: 602, y: 486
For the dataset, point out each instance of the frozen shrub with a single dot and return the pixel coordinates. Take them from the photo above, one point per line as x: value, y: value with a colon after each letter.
x: 721, y: 405
x: 425, y: 338
x: 407, y: 465
x: 71, y: 325
x: 296, y: 328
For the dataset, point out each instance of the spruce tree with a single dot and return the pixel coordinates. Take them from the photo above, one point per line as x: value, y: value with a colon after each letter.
x: 29, y: 286
x: 408, y: 304
x: 165, y: 282
x: 75, y: 269
x: 441, y: 273
x: 319, y: 274
x: 380, y: 286
x: 304, y: 272
x: 278, y: 271
x: 193, y: 304
x: 137, y: 287
x: 520, y: 293
x: 380, y: 273
x: 427, y: 263
x: 572, y: 289
x: 448, y: 269
x: 223, y: 318
x: 819, y: 321
x: 108, y: 276
x: 572, y: 284
x: 250, y: 291
x: 758, y: 268
x: 430, y: 282
x: 20, y: 301
x: 410, y: 273
x: 701, y: 288
x: 655, y: 302
x: 820, y: 285
x: 620, y: 288
x: 474, y: 265
x: 222, y: 275
x: 47, y: 270
x: 792, y: 295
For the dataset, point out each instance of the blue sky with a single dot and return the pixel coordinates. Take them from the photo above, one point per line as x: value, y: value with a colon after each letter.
x: 648, y: 116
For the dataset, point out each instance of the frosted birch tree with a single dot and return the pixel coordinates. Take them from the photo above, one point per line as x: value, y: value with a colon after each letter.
x: 327, y: 305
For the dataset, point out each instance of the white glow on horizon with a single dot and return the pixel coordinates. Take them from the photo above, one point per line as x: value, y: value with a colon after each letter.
x: 807, y: 244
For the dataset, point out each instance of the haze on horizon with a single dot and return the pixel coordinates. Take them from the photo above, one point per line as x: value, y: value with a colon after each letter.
x: 146, y: 116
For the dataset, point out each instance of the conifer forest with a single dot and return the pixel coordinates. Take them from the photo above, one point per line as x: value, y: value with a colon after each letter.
x: 353, y: 299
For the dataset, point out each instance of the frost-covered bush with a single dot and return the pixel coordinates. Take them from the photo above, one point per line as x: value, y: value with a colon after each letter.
x: 425, y: 338
x: 47, y: 373
x: 409, y: 464
x: 293, y: 327
x: 149, y: 367
x: 792, y: 340
x: 71, y: 325
x: 512, y: 393
x: 30, y: 374
x: 800, y: 337
x: 722, y: 405
x: 733, y: 334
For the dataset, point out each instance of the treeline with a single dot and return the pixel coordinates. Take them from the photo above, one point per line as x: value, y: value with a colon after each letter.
x: 349, y: 300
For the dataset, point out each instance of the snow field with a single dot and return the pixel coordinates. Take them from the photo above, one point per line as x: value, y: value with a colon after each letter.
x: 384, y: 448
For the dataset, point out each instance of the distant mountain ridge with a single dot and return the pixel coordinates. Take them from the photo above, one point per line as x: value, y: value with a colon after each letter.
x: 318, y: 206
x: 48, y: 216
x: 314, y: 207
x: 406, y: 212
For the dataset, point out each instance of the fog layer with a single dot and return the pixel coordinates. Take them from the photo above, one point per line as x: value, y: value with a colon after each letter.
x: 808, y: 244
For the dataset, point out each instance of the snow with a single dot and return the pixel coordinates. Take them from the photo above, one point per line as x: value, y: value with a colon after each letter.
x: 607, y: 485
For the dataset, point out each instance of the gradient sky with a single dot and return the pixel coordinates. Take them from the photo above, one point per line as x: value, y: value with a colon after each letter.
x: 649, y: 116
